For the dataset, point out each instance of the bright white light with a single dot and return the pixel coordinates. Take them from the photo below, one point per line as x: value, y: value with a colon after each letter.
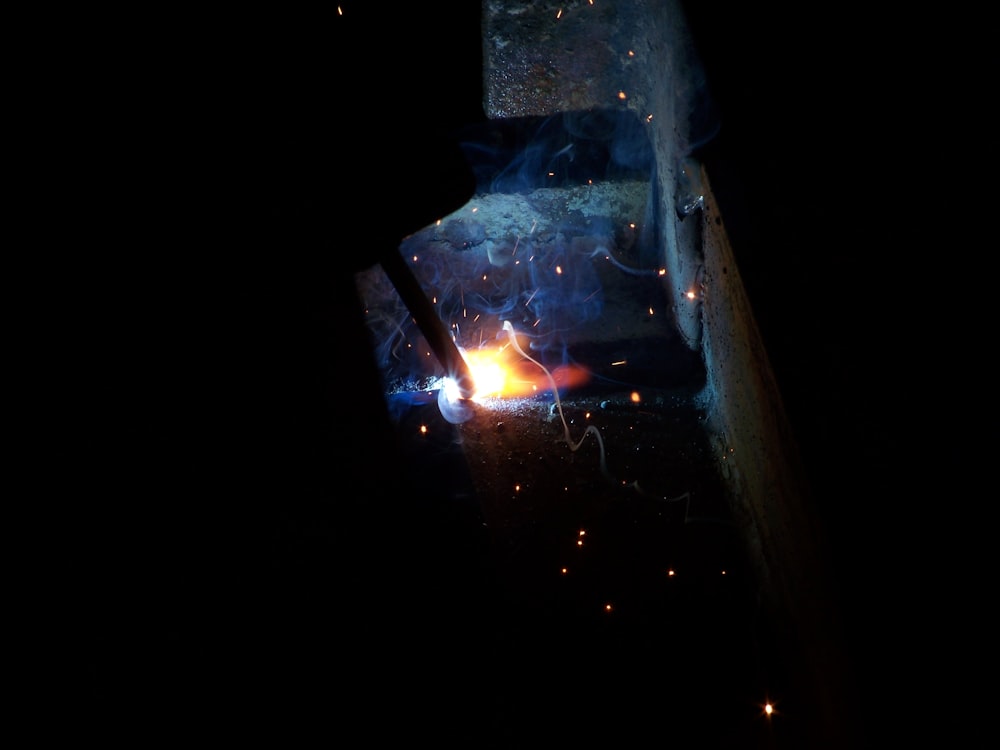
x: 489, y: 377
x: 453, y: 407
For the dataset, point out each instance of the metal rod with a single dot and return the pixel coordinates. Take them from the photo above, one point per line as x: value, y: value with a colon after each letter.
x: 429, y: 322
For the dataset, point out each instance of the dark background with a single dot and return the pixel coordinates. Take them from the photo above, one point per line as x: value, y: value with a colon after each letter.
x: 840, y: 124
x: 186, y: 372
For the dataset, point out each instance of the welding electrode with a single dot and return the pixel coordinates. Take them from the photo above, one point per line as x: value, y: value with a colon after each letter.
x: 429, y: 322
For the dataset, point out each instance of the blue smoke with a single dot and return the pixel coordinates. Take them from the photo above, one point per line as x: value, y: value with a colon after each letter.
x: 569, y: 148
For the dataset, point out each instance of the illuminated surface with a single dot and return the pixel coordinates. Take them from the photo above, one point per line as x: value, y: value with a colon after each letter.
x: 624, y: 596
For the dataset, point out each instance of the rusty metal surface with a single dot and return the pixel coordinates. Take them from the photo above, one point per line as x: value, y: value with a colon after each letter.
x: 547, y: 57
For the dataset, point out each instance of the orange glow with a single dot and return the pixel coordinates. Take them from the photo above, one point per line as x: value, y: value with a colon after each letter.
x: 503, y: 373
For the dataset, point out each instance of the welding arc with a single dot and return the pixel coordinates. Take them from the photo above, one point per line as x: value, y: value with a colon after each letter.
x: 429, y: 322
